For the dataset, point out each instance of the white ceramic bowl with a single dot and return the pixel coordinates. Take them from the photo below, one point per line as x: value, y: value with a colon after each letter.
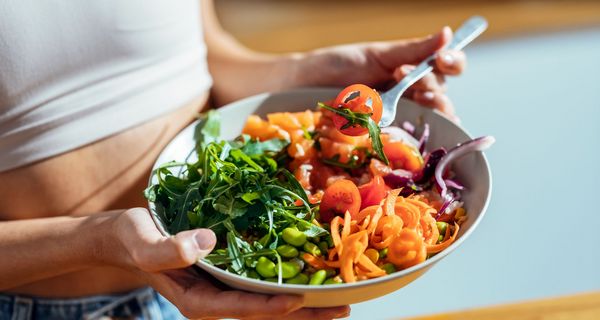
x: 472, y: 170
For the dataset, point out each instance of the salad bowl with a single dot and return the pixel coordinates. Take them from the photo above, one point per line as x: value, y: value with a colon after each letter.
x: 472, y: 170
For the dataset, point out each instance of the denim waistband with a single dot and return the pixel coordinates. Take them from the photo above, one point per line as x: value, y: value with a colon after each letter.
x: 143, y: 303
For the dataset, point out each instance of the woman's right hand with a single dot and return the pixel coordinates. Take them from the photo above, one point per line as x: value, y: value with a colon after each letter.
x: 163, y: 263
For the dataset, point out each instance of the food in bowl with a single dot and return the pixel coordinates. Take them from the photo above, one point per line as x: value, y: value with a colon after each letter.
x: 296, y: 200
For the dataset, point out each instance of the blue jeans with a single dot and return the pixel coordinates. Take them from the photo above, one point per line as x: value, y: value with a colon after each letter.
x: 143, y: 303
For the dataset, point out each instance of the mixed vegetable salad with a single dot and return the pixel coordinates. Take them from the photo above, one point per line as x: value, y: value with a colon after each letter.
x: 316, y: 197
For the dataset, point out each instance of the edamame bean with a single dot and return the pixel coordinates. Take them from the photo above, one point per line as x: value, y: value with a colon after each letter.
x: 329, y: 273
x: 300, y: 278
x: 334, y: 280
x: 266, y: 267
x: 442, y: 226
x: 383, y: 253
x: 293, y: 236
x: 287, y: 251
x: 318, y: 278
x: 372, y: 254
x: 253, y: 274
x: 389, y: 268
x: 312, y: 249
x: 288, y: 269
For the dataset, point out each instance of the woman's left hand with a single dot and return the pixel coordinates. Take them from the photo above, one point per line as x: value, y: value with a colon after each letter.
x: 382, y: 64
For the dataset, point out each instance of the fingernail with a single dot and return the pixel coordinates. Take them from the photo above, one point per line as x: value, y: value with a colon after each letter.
x: 448, y: 59
x: 205, y: 239
x: 428, y: 95
x: 407, y: 69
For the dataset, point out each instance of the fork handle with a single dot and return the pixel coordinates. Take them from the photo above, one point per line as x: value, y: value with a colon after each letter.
x: 467, y: 32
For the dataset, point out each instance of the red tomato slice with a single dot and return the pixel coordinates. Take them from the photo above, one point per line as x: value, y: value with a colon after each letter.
x: 338, y: 198
x: 373, y: 192
x: 357, y: 98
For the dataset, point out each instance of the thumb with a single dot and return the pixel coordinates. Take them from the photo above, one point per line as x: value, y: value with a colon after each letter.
x: 179, y: 251
x: 415, y: 50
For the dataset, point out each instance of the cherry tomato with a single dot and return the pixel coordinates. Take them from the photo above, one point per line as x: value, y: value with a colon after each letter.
x: 357, y: 98
x: 403, y: 156
x: 338, y: 198
x: 373, y: 192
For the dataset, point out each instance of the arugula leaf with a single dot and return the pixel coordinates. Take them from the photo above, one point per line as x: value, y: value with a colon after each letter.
x: 237, y: 260
x: 364, y: 120
x: 255, y: 147
x: 237, y: 189
x: 208, y: 129
x: 352, y: 164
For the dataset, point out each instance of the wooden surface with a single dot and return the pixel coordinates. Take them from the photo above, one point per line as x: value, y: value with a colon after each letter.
x: 290, y: 25
x: 576, y: 307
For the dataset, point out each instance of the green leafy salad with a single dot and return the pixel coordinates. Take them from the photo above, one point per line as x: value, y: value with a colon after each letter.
x: 241, y: 190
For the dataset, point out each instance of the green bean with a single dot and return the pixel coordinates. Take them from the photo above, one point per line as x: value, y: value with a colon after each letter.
x: 312, y: 249
x: 388, y: 268
x: 287, y: 251
x: 293, y: 236
x: 300, y: 278
x: 334, y: 280
x: 442, y: 226
x: 323, y: 246
x: 318, y: 278
x: 383, y: 253
x: 288, y: 269
x: 266, y: 267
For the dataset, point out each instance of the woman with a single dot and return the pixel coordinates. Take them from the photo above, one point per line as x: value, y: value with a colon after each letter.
x: 90, y: 93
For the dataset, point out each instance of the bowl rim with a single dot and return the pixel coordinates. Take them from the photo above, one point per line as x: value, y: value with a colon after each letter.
x: 355, y: 285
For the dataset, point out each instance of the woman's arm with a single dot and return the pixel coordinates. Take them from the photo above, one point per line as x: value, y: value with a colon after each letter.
x: 239, y: 72
x: 36, y: 249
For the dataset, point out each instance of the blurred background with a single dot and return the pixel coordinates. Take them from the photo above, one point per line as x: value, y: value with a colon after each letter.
x: 290, y: 25
x: 532, y: 82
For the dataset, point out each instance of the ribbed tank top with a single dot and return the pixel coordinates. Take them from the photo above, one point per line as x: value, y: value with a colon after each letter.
x: 74, y: 72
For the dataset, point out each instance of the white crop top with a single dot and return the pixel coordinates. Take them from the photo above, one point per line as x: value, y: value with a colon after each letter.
x: 73, y: 72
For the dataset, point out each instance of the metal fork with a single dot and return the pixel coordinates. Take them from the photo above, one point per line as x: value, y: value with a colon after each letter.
x: 470, y: 29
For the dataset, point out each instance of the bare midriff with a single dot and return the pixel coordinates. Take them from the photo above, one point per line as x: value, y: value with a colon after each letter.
x: 109, y: 174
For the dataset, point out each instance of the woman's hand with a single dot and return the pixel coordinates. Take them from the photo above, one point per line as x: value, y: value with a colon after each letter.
x: 382, y: 64
x: 162, y: 262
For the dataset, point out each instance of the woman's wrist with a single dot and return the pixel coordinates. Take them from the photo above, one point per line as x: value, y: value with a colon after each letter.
x: 105, y: 245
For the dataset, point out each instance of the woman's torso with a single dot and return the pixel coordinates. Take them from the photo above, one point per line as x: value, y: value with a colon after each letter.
x: 109, y: 174
x: 90, y: 92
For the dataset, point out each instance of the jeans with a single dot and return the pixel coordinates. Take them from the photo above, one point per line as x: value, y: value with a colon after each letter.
x: 142, y: 304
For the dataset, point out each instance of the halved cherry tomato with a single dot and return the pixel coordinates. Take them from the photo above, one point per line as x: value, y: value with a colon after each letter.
x: 372, y: 193
x: 357, y: 98
x: 338, y: 198
x: 403, y: 156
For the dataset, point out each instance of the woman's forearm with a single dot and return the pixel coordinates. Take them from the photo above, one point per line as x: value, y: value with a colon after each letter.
x: 36, y: 249
x: 238, y: 71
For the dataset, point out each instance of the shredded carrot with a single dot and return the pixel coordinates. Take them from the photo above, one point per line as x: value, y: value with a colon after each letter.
x: 406, y: 226
x: 448, y: 240
x: 347, y: 221
x: 335, y: 233
x: 407, y: 249
x: 313, y: 261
